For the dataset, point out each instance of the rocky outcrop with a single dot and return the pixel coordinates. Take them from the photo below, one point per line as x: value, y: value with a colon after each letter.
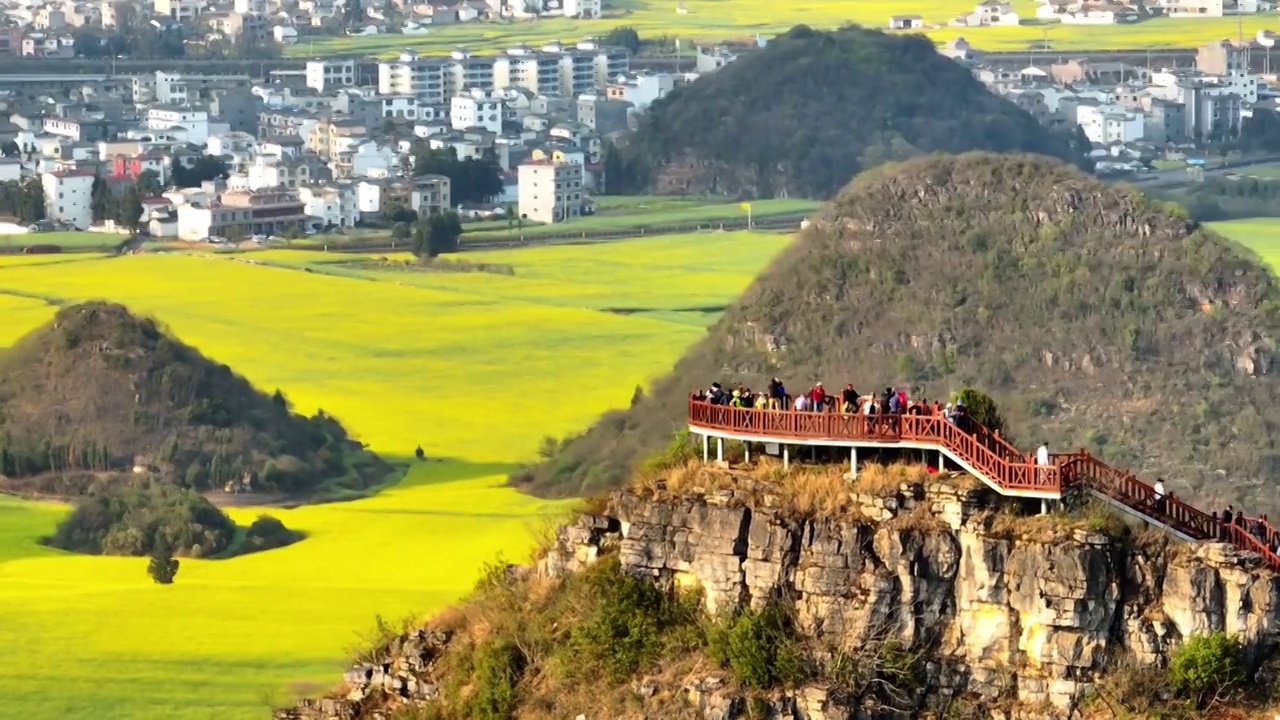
x: 1002, y: 612
x: 1029, y: 613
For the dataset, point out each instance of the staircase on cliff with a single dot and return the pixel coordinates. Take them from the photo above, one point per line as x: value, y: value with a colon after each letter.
x: 983, y: 454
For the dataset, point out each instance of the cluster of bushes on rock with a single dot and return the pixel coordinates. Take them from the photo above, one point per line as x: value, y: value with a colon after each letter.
x: 589, y: 635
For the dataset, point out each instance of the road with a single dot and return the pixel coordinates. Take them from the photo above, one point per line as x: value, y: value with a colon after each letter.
x: 1177, y: 176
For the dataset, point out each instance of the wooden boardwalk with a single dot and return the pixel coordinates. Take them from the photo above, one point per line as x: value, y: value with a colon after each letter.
x: 984, y: 454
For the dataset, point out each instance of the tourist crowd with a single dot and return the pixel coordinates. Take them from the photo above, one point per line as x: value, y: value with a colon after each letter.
x: 892, y: 403
x: 817, y: 399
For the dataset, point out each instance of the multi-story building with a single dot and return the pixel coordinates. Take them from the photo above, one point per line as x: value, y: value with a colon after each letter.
x: 466, y: 72
x: 476, y: 108
x: 242, y: 212
x: 325, y: 75
x: 410, y: 74
x: 190, y: 124
x: 1192, y: 8
x: 553, y: 68
x: 642, y: 89
x: 257, y: 7
x: 68, y: 196
x: 182, y: 88
x: 431, y: 194
x: 326, y: 137
x: 132, y: 167
x: 332, y: 205
x: 80, y: 129
x: 550, y: 191
x: 181, y: 10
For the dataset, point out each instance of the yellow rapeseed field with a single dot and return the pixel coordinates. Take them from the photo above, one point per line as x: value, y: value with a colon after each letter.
x: 475, y: 368
x: 718, y: 20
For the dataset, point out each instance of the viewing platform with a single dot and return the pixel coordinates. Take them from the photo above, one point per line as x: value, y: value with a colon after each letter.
x: 978, y: 451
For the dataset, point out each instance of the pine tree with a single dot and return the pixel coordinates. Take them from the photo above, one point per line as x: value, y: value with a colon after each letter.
x: 100, y: 200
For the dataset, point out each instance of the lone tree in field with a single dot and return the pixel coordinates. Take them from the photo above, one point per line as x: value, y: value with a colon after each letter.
x: 163, y: 567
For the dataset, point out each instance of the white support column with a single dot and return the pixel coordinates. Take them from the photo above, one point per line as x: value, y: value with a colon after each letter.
x: 706, y: 448
x: 786, y: 457
x: 719, y: 450
x: 746, y: 452
x: 1044, y: 507
x: 853, y: 462
x: 942, y: 461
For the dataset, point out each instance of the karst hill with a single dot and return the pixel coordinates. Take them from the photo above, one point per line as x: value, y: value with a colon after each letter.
x: 812, y: 109
x: 1097, y: 318
x: 99, y: 392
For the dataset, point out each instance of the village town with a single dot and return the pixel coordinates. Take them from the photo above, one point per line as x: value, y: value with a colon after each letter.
x: 523, y: 133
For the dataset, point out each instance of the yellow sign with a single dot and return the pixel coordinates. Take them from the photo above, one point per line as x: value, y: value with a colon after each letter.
x: 746, y: 206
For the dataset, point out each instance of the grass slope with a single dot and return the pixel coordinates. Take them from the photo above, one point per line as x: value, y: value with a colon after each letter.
x: 711, y: 20
x: 425, y: 361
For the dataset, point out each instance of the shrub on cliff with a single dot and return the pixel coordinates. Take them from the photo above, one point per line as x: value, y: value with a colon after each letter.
x: 761, y: 647
x: 629, y: 625
x: 1207, y: 667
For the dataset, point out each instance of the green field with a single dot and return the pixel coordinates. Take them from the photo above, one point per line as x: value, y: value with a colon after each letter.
x: 711, y: 20
x: 1259, y: 235
x: 69, y: 239
x: 632, y: 212
x: 474, y: 367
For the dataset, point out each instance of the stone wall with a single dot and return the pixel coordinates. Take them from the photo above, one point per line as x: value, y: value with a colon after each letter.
x: 1022, y: 615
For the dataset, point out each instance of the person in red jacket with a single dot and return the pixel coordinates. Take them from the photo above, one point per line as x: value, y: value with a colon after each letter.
x: 817, y: 398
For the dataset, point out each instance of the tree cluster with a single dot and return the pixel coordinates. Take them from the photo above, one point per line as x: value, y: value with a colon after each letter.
x: 23, y: 199
x: 123, y: 204
x: 206, y: 167
x: 812, y: 109
x: 470, y: 181
x: 437, y: 234
x: 134, y: 38
x: 140, y: 520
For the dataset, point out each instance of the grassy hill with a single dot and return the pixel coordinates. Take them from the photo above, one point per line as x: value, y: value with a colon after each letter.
x: 1095, y: 316
x: 99, y: 391
x: 812, y: 109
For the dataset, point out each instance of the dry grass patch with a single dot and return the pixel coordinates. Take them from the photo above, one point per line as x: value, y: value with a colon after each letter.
x: 1091, y: 516
x: 885, y: 480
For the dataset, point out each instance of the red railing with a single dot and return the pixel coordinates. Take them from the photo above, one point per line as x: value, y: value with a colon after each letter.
x: 991, y: 456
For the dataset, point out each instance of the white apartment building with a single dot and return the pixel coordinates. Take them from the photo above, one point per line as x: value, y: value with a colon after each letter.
x: 332, y: 205
x: 409, y: 74
x: 257, y: 7
x: 180, y: 10
x: 550, y: 191
x: 1107, y: 124
x: 477, y: 108
x: 68, y: 196
x: 641, y: 90
x: 326, y: 75
x: 552, y: 69
x: 188, y: 123
x: 585, y: 9
x: 465, y: 72
x: 407, y: 107
x: 1193, y: 8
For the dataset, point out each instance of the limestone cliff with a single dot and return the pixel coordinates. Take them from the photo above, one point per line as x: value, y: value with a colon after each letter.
x: 1017, y: 617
